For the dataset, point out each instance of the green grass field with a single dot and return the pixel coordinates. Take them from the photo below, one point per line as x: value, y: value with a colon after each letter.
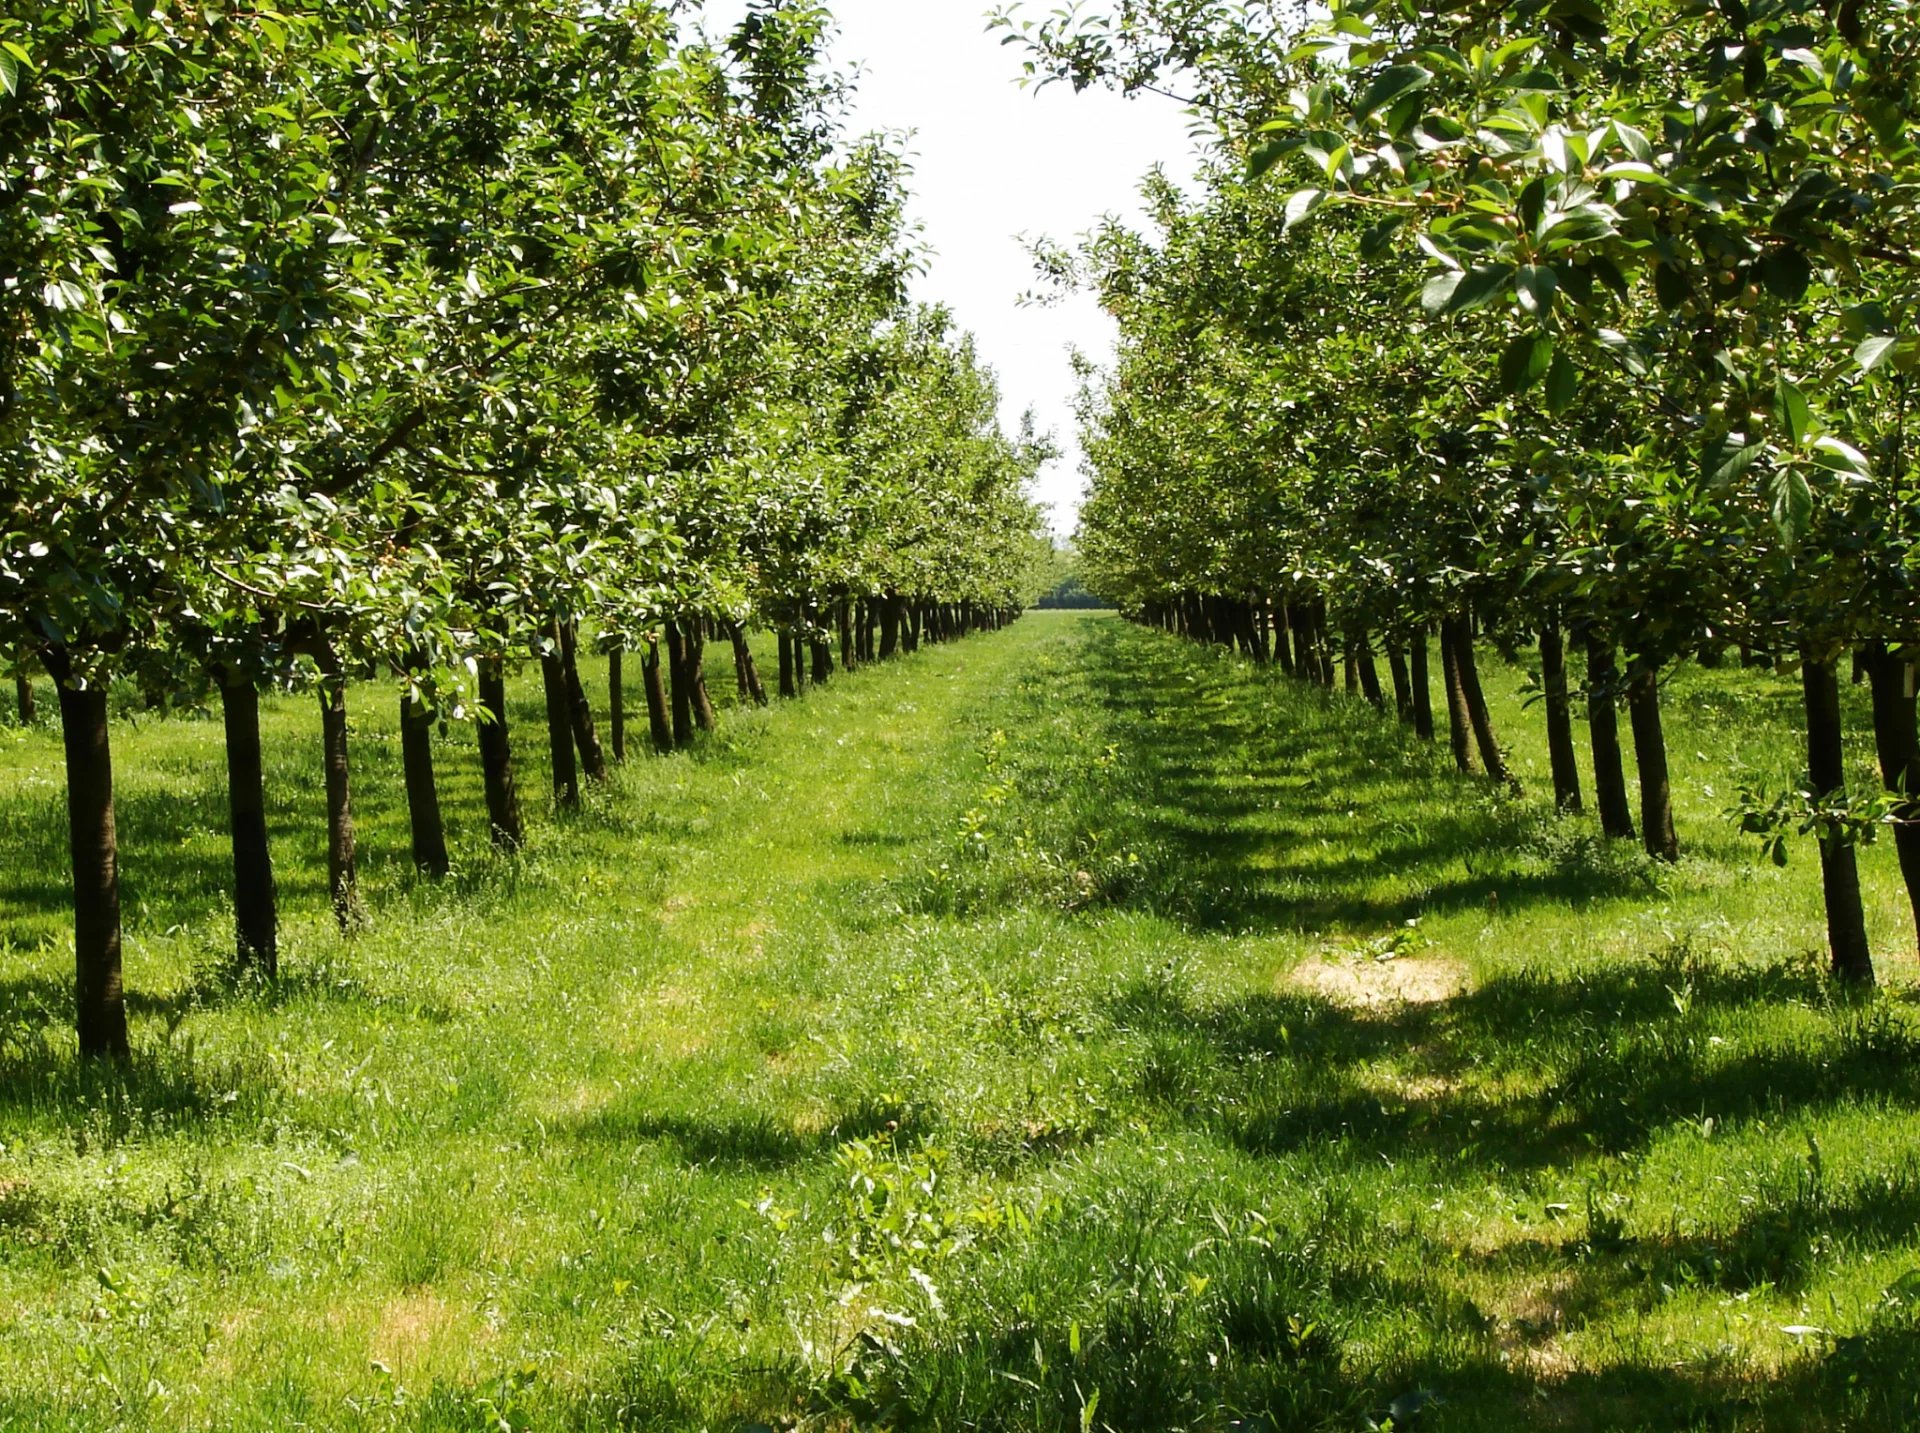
x: 1066, y: 1029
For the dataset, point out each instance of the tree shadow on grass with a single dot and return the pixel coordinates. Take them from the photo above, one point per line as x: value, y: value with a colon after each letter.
x: 164, y: 1087
x: 1526, y: 1071
x: 1277, y: 806
x: 747, y: 1138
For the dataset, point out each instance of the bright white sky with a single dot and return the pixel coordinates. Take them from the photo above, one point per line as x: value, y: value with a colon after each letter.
x: 993, y: 162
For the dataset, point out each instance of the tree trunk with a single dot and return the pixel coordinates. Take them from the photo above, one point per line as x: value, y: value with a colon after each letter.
x: 1369, y: 672
x: 23, y: 697
x: 789, y: 684
x: 1477, y: 712
x: 1894, y: 734
x: 579, y: 709
x: 1650, y: 755
x: 680, y: 679
x: 1839, y: 868
x: 696, y: 639
x: 844, y: 617
x: 889, y: 625
x: 741, y: 690
x: 822, y: 660
x: 496, y: 759
x: 1560, y: 749
x: 423, y: 793
x: 1257, y: 619
x: 1402, y: 685
x: 1422, y: 684
x: 100, y: 1006
x: 1459, y: 719
x: 343, y: 878
x: 566, y: 775
x: 255, y: 902
x: 743, y: 660
x: 913, y: 626
x: 617, y: 703
x: 1603, y: 735
x: 1283, y: 639
x: 659, y: 723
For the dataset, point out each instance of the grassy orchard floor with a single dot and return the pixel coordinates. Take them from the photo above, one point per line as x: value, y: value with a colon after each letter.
x: 1080, y: 956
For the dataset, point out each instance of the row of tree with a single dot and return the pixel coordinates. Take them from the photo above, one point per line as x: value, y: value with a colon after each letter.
x: 347, y: 339
x: 1581, y: 323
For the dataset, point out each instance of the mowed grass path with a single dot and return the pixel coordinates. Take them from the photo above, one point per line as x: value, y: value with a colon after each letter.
x: 1070, y: 1028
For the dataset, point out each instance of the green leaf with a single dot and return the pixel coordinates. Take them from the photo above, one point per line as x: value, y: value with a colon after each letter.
x: 1536, y: 284
x: 1438, y: 291
x: 1478, y: 286
x: 9, y: 72
x: 1727, y: 457
x: 1301, y: 203
x: 1670, y: 286
x: 1390, y: 84
x: 1525, y: 361
x: 1792, y: 502
x: 1264, y: 156
x: 1830, y: 453
x: 1635, y: 142
x: 1793, y: 412
x: 1873, y: 351
x: 1563, y: 385
x: 1437, y: 131
x: 1786, y: 274
x: 1376, y: 238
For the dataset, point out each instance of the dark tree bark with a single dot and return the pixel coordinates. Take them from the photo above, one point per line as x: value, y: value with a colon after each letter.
x: 1478, y: 714
x: 23, y: 697
x: 1369, y: 671
x: 696, y: 637
x: 1283, y: 639
x: 423, y: 792
x: 1603, y: 734
x: 617, y: 702
x: 1894, y: 735
x: 1459, y: 719
x: 889, y: 625
x: 566, y: 775
x: 100, y: 1005
x: 496, y: 759
x: 822, y: 660
x: 740, y: 655
x: 1839, y: 868
x: 843, y: 618
x: 659, y: 722
x: 255, y: 901
x: 680, y: 679
x: 743, y: 660
x: 789, y: 676
x: 579, y: 710
x: 1422, y: 683
x: 913, y: 626
x: 1402, y: 687
x: 1650, y: 755
x: 1561, y: 754
x: 343, y: 876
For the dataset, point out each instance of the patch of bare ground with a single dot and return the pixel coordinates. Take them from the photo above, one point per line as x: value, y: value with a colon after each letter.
x: 410, y: 1330
x: 1367, y: 983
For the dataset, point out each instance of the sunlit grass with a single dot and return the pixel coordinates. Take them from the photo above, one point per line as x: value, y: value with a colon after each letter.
x: 1066, y: 1029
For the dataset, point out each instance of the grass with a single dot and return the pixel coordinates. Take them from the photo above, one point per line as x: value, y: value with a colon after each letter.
x: 1067, y: 1029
